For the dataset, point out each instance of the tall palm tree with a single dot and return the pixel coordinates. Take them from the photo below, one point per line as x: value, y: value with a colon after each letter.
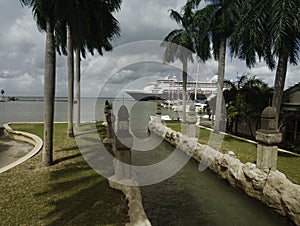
x: 44, y: 13
x: 270, y: 29
x: 51, y: 15
x: 219, y: 17
x: 183, y: 43
x: 70, y: 131
x: 95, y: 28
x: 105, y: 28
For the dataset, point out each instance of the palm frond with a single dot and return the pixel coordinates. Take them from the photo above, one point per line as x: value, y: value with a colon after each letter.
x: 174, y: 15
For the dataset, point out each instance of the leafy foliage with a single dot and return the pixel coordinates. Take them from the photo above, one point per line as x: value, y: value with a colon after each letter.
x: 245, y: 100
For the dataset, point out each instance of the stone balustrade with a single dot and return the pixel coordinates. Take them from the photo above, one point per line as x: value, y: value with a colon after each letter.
x: 271, y: 187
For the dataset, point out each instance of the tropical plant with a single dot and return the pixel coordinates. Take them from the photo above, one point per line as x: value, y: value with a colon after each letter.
x: 183, y: 43
x: 103, y: 29
x: 270, y: 29
x: 96, y: 28
x: 245, y: 100
x: 44, y: 13
x: 51, y: 16
x: 2, y: 92
x: 218, y: 18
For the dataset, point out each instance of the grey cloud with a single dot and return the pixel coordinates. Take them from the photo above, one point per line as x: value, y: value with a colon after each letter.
x: 148, y: 20
x: 22, y: 52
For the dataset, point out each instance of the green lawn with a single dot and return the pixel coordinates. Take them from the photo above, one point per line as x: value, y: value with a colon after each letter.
x: 67, y: 193
x: 246, y: 152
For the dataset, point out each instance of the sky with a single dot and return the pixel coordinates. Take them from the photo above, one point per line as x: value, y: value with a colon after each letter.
x: 136, y: 60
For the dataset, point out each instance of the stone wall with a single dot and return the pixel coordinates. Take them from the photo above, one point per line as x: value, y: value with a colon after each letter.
x: 133, y: 195
x: 270, y: 187
x: 26, y: 137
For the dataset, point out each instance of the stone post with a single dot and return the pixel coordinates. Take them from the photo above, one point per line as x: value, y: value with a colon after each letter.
x: 268, y: 137
x: 106, y: 110
x: 109, y: 122
x: 191, y: 120
x: 158, y: 113
x: 123, y: 141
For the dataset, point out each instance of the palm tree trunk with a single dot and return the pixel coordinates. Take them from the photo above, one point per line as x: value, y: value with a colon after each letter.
x: 280, y: 81
x: 70, y: 82
x: 49, y: 95
x: 184, y: 81
x: 236, y: 125
x: 78, y: 86
x: 221, y: 72
x: 250, y: 128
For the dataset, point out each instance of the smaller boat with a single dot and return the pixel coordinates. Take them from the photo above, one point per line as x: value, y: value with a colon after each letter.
x: 163, y: 117
x: 179, y: 107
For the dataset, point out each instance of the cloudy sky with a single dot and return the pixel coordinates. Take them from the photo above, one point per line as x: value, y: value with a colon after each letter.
x: 133, y: 63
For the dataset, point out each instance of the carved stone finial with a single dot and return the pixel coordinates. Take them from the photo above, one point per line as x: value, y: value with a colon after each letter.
x: 268, y: 119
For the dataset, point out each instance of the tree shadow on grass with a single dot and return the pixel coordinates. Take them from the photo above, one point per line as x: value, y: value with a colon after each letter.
x: 66, y: 158
x: 67, y: 149
x: 79, y: 196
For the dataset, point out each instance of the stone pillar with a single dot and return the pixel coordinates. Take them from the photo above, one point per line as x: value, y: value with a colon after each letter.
x: 109, y: 122
x: 268, y: 137
x: 158, y: 113
x: 123, y: 142
x: 106, y: 110
x: 191, y: 120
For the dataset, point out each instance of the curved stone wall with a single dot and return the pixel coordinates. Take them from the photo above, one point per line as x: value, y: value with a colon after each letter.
x: 22, y: 136
x: 270, y: 187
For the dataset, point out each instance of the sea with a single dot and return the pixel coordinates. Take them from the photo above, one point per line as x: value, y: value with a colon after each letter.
x: 31, y: 109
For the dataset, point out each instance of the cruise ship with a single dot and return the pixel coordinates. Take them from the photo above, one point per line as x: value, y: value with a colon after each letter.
x: 170, y: 88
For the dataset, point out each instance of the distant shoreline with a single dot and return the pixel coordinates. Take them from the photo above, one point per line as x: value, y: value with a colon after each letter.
x: 57, y: 99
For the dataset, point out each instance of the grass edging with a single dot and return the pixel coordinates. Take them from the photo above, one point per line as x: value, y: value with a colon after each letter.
x: 250, y: 141
x: 25, y: 137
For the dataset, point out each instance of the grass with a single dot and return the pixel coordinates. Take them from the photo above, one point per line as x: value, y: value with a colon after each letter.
x: 67, y: 193
x: 246, y: 152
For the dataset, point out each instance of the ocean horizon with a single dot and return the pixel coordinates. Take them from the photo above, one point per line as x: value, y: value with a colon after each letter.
x: 31, y: 109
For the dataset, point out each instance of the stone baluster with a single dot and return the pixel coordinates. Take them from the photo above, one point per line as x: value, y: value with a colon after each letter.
x: 268, y: 137
x: 191, y: 120
x: 123, y: 142
x: 158, y: 113
x: 106, y: 111
x: 108, y: 122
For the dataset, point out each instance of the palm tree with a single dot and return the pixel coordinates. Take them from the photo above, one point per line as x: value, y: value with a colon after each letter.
x: 102, y: 29
x: 182, y: 44
x: 270, y: 29
x: 50, y: 16
x: 70, y: 131
x: 219, y: 17
x: 95, y: 28
x: 245, y: 100
x: 44, y: 13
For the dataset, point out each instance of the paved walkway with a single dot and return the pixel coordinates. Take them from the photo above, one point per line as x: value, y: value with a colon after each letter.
x: 12, y: 150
